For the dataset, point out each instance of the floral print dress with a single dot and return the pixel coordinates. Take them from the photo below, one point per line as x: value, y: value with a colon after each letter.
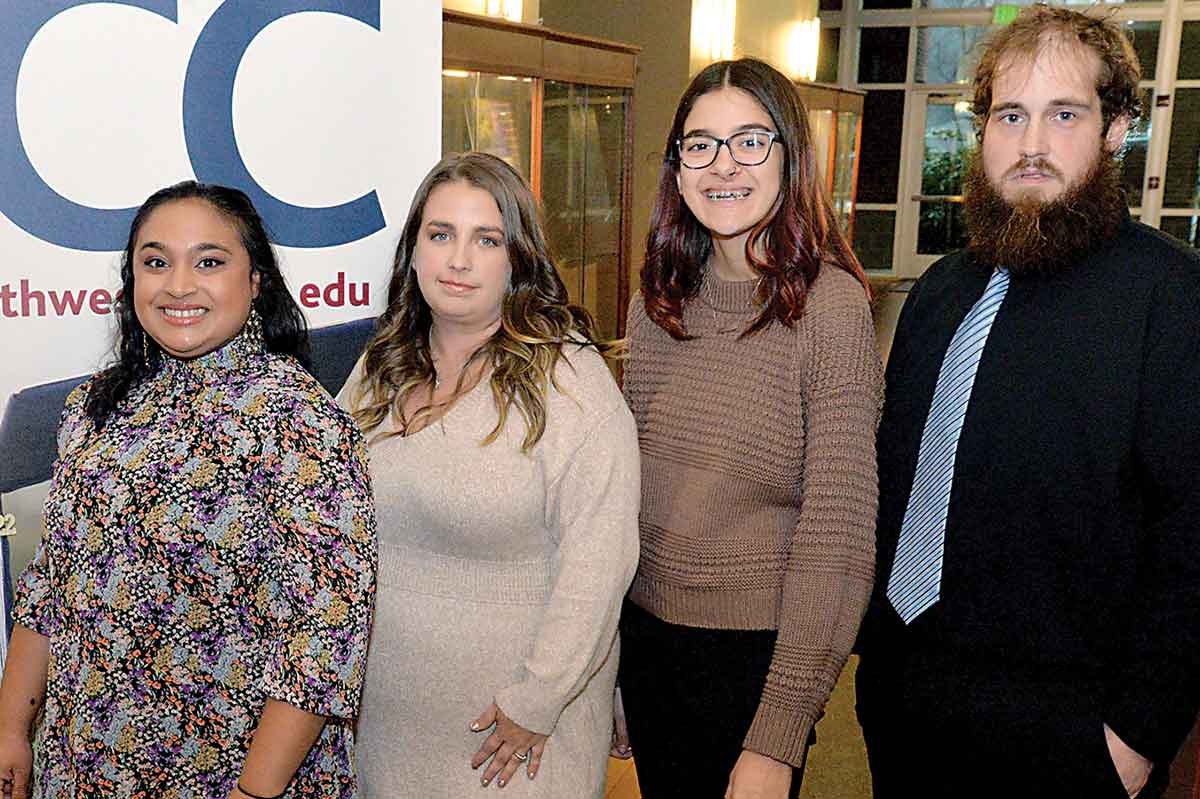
x: 212, y: 547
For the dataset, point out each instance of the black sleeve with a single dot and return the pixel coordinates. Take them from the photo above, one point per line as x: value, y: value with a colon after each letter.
x: 1155, y: 698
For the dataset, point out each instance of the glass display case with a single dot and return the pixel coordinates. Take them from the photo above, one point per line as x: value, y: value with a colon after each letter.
x: 835, y: 116
x: 558, y: 108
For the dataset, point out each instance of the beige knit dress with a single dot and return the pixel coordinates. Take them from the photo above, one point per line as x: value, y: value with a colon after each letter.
x: 501, y: 576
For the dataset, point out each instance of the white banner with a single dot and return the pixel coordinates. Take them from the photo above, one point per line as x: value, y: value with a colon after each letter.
x: 326, y: 113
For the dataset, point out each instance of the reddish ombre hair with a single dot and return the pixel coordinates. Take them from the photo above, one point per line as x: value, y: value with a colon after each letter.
x: 800, y: 235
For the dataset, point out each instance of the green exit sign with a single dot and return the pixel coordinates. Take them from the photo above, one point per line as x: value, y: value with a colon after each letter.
x: 1002, y: 15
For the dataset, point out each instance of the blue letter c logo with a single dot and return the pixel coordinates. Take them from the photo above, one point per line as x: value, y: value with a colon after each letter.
x: 208, y: 130
x: 208, y: 122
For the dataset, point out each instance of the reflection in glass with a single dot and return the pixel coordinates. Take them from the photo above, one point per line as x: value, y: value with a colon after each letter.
x: 583, y: 141
x: 949, y: 141
x: 948, y: 54
x: 873, y: 235
x: 844, y: 166
x: 820, y: 123
x: 1184, y: 228
x: 491, y: 113
x: 1181, y: 183
x: 941, y: 229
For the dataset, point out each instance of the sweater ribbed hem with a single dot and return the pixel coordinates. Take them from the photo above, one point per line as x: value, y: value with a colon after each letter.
x: 697, y: 607
x: 779, y: 734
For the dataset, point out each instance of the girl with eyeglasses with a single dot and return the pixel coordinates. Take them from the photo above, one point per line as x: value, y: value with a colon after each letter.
x: 755, y: 381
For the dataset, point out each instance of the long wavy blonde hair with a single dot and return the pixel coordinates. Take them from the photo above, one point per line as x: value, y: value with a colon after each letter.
x: 536, y: 319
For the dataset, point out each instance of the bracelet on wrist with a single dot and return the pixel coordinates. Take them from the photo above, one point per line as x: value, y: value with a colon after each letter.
x: 256, y: 795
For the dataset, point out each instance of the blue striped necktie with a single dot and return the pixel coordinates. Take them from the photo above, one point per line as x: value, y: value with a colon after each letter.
x: 916, y: 578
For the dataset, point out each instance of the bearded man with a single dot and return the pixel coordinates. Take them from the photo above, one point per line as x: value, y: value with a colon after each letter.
x: 1035, y: 626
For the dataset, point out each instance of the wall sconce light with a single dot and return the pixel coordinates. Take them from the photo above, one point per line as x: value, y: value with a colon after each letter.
x: 509, y: 9
x: 804, y: 44
x: 713, y: 26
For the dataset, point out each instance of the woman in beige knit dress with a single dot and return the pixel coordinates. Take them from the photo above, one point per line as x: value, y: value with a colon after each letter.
x: 506, y: 477
x: 756, y: 384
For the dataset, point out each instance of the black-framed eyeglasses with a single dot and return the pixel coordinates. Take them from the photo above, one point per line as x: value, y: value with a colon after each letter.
x: 748, y: 148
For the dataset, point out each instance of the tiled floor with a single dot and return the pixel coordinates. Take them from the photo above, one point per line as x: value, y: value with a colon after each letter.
x: 622, y: 780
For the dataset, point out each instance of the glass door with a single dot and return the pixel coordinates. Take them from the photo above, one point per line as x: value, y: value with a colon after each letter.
x: 943, y: 133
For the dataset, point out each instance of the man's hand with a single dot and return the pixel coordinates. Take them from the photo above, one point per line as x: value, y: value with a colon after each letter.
x: 1133, y: 768
x: 757, y: 776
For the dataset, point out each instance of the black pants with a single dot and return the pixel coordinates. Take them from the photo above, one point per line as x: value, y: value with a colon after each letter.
x: 690, y: 694
x: 937, y: 728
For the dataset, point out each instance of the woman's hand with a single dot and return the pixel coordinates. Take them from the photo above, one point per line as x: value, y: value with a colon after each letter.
x: 756, y: 776
x: 16, y: 764
x: 509, y: 745
x: 620, y: 733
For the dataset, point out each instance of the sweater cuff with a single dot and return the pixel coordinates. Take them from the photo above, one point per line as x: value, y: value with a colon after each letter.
x: 779, y: 734
x: 525, y: 703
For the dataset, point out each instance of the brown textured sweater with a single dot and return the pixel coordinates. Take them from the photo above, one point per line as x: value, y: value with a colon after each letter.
x: 759, y: 486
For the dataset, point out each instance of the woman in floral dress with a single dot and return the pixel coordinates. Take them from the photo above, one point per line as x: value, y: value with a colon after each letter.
x: 195, y: 621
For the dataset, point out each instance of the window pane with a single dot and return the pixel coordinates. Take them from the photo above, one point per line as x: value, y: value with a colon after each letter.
x: 843, y: 166
x: 879, y: 158
x: 486, y: 112
x: 1133, y: 160
x: 1145, y: 42
x: 1189, y: 52
x: 949, y: 139
x: 872, y: 4
x: 947, y: 55
x: 873, y: 234
x: 883, y: 55
x: 827, y: 55
x: 831, y: 5
x: 941, y: 229
x: 1180, y: 181
x: 1184, y: 228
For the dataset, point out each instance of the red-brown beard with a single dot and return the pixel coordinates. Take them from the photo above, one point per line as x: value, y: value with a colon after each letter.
x: 1033, y: 235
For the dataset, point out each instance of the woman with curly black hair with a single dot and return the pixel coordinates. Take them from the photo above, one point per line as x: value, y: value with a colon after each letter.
x: 195, y: 621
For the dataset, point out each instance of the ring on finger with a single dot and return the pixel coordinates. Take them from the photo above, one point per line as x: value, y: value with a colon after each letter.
x: 522, y: 756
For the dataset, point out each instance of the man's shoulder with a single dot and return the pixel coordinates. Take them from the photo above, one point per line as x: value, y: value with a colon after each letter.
x: 948, y: 271
x: 1140, y: 250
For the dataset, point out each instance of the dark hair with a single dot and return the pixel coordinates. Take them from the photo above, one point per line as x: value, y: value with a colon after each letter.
x: 1040, y: 26
x: 137, y: 358
x: 798, y: 237
x: 536, y: 317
